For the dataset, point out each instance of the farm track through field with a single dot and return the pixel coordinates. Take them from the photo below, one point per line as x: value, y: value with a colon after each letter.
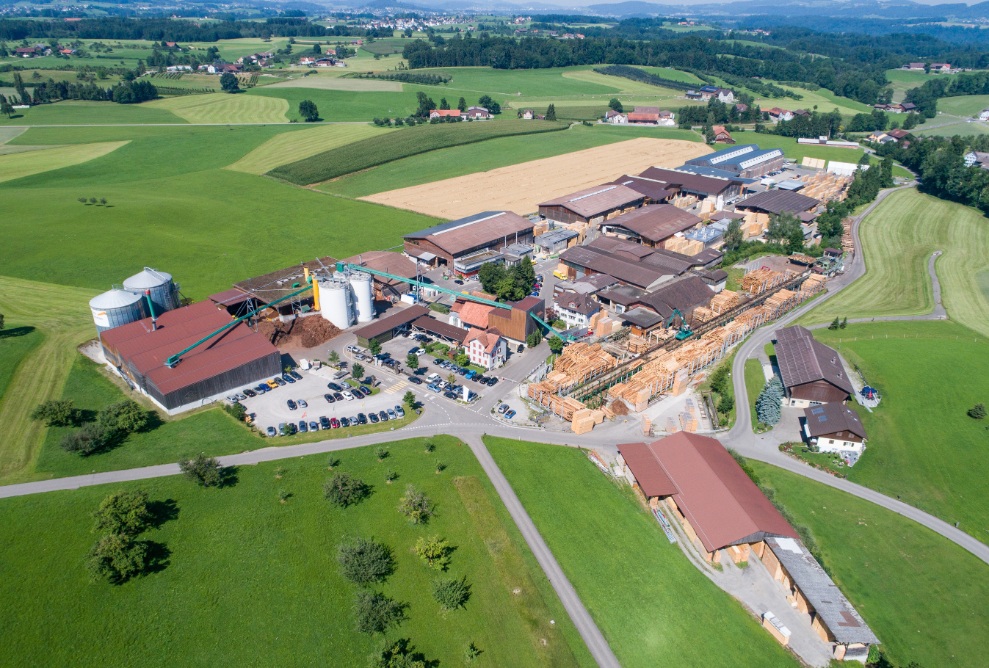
x: 61, y: 315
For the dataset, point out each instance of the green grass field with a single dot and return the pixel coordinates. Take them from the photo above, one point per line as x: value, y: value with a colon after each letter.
x: 16, y: 343
x: 262, y: 574
x: 379, y: 150
x: 19, y: 165
x: 963, y: 105
x: 755, y: 380
x: 903, y: 80
x: 898, y: 239
x: 224, y: 108
x: 493, y: 153
x: 923, y: 596
x: 795, y: 151
x: 292, y: 146
x: 181, y: 211
x: 90, y: 113
x: 653, y: 606
x: 922, y: 446
x: 824, y: 100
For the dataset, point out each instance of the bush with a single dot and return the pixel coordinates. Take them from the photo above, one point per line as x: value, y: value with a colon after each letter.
x: 400, y: 654
x: 376, y: 613
x: 451, y: 594
x: 365, y: 561
x: 768, y: 405
x: 56, y: 413
x: 416, y: 506
x: 125, y: 417
x: 123, y: 513
x: 978, y: 412
x: 89, y: 440
x: 237, y: 411
x: 533, y: 339
x: 434, y: 551
x: 345, y: 490
x: 203, y: 470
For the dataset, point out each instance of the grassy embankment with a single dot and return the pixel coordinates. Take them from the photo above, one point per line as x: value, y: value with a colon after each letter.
x: 898, y: 240
x: 653, y: 606
x: 263, y: 574
x: 379, y: 150
x: 923, y: 596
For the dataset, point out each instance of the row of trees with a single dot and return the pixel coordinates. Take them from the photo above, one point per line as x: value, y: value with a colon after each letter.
x: 926, y: 95
x: 118, y: 555
x: 109, y: 427
x: 126, y: 92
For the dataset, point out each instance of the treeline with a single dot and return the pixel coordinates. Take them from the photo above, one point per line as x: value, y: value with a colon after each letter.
x: 45, y: 92
x: 406, y: 77
x: 814, y: 124
x: 156, y: 29
x: 762, y: 88
x: 940, y: 163
x: 711, y: 56
x: 932, y: 90
x: 635, y: 74
x: 718, y: 112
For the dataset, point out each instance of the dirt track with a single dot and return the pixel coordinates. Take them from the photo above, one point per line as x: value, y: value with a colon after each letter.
x: 520, y: 188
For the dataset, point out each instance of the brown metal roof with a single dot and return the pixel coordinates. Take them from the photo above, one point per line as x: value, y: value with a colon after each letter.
x: 722, y: 504
x: 832, y: 418
x: 276, y: 284
x: 147, y: 349
x: 446, y: 330
x: 684, y: 295
x: 656, y: 222
x: 656, y: 191
x: 482, y: 229
x: 802, y: 359
x: 626, y: 271
x: 401, y: 316
x: 779, y: 201
x: 598, y: 200
x: 387, y: 261
x: 648, y: 472
x: 695, y: 183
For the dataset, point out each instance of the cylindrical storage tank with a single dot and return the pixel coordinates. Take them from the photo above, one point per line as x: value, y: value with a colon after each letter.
x: 335, y: 303
x: 363, y: 295
x: 115, y: 308
x: 163, y: 292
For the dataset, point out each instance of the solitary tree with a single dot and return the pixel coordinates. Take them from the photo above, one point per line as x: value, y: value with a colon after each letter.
x: 451, y: 594
x: 616, y: 105
x: 551, y: 112
x: 434, y: 551
x: 333, y: 357
x: 55, y: 412
x: 117, y: 557
x: 229, y: 83
x: 733, y: 236
x: 124, y: 417
x: 835, y: 324
x: 123, y: 513
x: 374, y: 346
x: 376, y: 613
x: 364, y: 561
x: 977, y: 412
x: 345, y: 490
x: 357, y: 370
x: 412, y: 361
x: 416, y: 506
x: 6, y: 107
x: 308, y: 111
x: 409, y: 399
x: 204, y: 471
x: 768, y: 405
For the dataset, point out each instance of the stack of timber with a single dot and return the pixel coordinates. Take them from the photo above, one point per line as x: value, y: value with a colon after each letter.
x: 781, y: 302
x: 724, y: 301
x: 847, y: 240
x: 759, y: 280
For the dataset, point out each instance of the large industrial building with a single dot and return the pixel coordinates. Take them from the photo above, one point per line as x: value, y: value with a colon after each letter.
x: 232, y: 359
x: 652, y: 225
x: 466, y: 244
x: 722, y: 189
x: 592, y: 205
x: 746, y: 161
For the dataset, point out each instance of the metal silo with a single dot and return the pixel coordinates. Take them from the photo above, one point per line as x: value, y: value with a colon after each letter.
x: 163, y: 292
x: 336, y: 303
x: 363, y: 295
x: 115, y: 308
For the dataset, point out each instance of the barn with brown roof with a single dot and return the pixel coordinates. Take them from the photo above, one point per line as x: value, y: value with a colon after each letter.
x: 231, y: 360
x: 703, y: 486
x: 812, y: 373
x: 592, y: 205
x: 652, y: 225
x: 469, y: 240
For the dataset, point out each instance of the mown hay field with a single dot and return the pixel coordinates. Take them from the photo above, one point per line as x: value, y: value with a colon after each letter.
x: 20, y: 164
x: 409, y: 141
x: 223, y: 108
x: 329, y: 82
x: 296, y: 145
x: 520, y: 188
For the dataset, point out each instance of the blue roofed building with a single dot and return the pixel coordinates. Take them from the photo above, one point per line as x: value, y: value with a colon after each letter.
x: 746, y: 161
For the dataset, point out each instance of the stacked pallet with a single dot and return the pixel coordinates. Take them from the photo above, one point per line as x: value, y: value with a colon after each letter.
x: 754, y: 225
x: 688, y: 418
x: 780, y: 302
x: 601, y: 324
x: 724, y: 301
x: 681, y: 244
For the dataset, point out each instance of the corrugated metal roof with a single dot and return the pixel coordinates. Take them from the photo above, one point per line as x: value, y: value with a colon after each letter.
x: 779, y: 201
x: 488, y: 227
x: 693, y: 183
x: 626, y: 271
x: 657, y: 191
x: 114, y: 299
x: 722, y: 504
x: 598, y: 200
x: 832, y: 608
x: 401, y: 316
x: 147, y: 349
x: 802, y: 359
x: 430, y: 324
x: 146, y: 279
x: 656, y: 222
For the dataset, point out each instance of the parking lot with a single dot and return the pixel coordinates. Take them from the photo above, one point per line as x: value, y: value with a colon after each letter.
x: 272, y: 410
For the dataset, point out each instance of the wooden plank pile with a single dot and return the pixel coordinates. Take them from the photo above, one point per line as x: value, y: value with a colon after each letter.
x: 725, y: 301
x: 688, y: 418
x: 814, y: 284
x: 580, y: 362
x: 601, y: 324
x: 759, y: 280
x: 585, y: 420
x: 781, y: 302
x: 754, y: 224
x: 847, y: 240
x: 683, y: 245
x: 637, y: 345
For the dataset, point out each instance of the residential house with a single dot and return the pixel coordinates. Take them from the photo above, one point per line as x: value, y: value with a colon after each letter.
x: 914, y: 67
x: 812, y: 373
x: 899, y: 134
x: 776, y: 114
x: 444, y: 113
x: 616, y: 117
x: 977, y: 159
x: 527, y: 114
x: 575, y: 309
x: 721, y: 135
x: 478, y: 113
x: 940, y: 68
x: 514, y: 323
x: 835, y: 428
x: 984, y: 115
x: 486, y: 349
x: 27, y: 51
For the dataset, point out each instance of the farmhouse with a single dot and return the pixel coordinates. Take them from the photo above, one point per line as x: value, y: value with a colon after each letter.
x: 444, y: 113
x: 812, y: 373
x: 592, y: 205
x: 745, y: 161
x: 478, y: 113
x: 486, y: 349
x: 468, y: 243
x: 984, y: 115
x: 776, y: 114
x: 237, y: 357
x: 652, y: 225
x: 835, y: 428
x: 977, y: 159
x: 780, y: 201
x: 699, y: 482
x: 616, y: 117
x: 721, y: 135
x: 650, y: 116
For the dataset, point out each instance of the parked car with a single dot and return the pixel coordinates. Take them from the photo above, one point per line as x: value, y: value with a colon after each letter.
x: 334, y: 423
x: 392, y: 414
x: 329, y: 398
x: 272, y: 385
x: 261, y: 389
x: 450, y: 395
x: 433, y: 388
x: 279, y: 381
x: 373, y: 418
x: 303, y: 427
x: 333, y: 386
x: 324, y: 422
x: 348, y: 395
x: 287, y: 378
x: 383, y: 416
x: 510, y: 414
x: 313, y: 425
x: 344, y: 422
x: 291, y: 405
x: 338, y: 396
x: 295, y: 374
x: 361, y: 418
x: 503, y: 408
x: 400, y: 411
x: 272, y: 432
x: 250, y: 393
x: 491, y: 381
x: 415, y: 380
x: 302, y: 403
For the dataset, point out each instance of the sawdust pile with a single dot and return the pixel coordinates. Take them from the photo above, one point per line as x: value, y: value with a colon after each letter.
x: 300, y: 333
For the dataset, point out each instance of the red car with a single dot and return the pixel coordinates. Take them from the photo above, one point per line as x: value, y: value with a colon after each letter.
x: 334, y: 423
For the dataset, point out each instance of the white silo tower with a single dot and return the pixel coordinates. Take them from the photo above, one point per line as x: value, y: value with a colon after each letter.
x: 336, y: 303
x: 158, y: 284
x: 363, y: 295
x: 115, y: 308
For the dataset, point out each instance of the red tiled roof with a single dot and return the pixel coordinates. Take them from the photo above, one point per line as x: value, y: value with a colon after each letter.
x: 445, y: 112
x: 722, y: 504
x: 147, y: 349
x: 488, y: 339
x: 475, y: 314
